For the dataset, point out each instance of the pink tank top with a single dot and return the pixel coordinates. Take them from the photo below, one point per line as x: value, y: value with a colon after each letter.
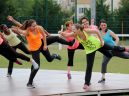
x: 1, y: 40
x: 76, y: 44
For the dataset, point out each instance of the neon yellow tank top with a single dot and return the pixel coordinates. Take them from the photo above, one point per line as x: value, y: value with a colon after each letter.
x: 91, y: 44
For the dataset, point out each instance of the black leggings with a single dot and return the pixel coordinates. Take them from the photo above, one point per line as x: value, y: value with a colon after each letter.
x: 71, y: 54
x: 124, y: 55
x: 9, y: 53
x: 90, y: 59
x: 36, y: 57
x: 53, y: 39
x: 22, y: 47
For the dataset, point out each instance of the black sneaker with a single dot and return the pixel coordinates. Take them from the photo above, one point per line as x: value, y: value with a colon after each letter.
x: 72, y: 42
x: 30, y: 86
x: 101, y: 81
x: 57, y: 56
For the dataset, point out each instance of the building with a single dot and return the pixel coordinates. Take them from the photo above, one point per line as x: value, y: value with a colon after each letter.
x: 83, y: 4
x: 115, y: 3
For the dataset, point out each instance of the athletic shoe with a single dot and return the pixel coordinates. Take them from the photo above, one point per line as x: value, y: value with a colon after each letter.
x: 18, y: 62
x: 8, y: 75
x: 57, y: 56
x: 35, y: 65
x: 102, y: 80
x: 69, y: 76
x: 86, y: 87
x: 30, y: 86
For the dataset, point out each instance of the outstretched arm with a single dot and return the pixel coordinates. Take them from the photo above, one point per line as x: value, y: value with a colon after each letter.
x: 115, y: 37
x: 44, y: 37
x: 47, y: 33
x: 19, y: 31
x: 94, y: 31
x: 64, y: 34
x: 10, y: 18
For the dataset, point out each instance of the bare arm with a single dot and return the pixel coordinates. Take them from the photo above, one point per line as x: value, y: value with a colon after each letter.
x: 10, y: 18
x: 47, y: 33
x: 44, y: 37
x: 19, y: 31
x: 2, y: 36
x: 115, y: 37
x: 71, y: 34
x: 94, y: 31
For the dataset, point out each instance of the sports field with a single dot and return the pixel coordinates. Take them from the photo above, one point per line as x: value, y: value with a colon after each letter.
x: 116, y: 65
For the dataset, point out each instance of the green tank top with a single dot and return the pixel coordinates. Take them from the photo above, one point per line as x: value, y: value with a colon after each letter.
x: 91, y: 44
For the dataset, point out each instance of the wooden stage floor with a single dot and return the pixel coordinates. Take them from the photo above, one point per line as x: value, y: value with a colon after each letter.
x: 55, y: 83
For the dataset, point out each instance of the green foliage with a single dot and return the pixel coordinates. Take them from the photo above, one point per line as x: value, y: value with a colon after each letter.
x: 88, y: 13
x: 5, y: 9
x: 102, y: 11
x: 122, y: 16
x: 23, y: 7
x: 50, y: 14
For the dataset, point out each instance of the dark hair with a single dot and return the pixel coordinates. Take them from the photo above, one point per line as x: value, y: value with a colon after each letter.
x: 2, y: 26
x: 27, y: 23
x: 83, y: 18
x: 102, y: 21
x: 79, y: 26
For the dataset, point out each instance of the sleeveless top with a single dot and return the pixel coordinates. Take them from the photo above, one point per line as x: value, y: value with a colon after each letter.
x: 91, y: 44
x: 12, y: 38
x: 69, y: 39
x: 108, y: 38
x: 34, y: 40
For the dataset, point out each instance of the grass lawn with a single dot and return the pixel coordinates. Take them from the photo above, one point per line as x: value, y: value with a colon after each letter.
x: 116, y: 65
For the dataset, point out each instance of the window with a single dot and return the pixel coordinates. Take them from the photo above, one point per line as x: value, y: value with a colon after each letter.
x: 82, y: 10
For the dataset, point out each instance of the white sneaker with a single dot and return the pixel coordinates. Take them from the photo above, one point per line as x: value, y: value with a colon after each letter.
x: 35, y: 65
x: 8, y: 75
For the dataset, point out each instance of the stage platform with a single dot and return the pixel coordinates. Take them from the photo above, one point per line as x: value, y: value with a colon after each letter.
x: 55, y: 83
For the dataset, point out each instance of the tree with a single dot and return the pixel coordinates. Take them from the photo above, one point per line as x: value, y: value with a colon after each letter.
x: 102, y: 11
x: 122, y: 16
x: 23, y: 7
x: 5, y: 9
x: 50, y: 14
